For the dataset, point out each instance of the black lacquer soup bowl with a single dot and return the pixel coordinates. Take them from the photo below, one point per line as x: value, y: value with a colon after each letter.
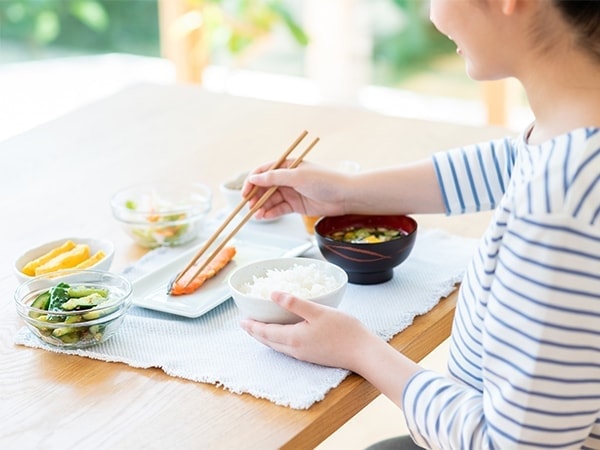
x: 368, y: 262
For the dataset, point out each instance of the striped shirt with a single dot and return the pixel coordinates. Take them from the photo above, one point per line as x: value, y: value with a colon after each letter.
x: 524, y: 364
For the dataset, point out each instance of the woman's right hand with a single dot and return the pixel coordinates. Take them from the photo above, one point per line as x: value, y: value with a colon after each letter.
x: 309, y: 189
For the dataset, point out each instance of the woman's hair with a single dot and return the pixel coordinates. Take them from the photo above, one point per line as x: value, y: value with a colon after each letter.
x: 584, y: 18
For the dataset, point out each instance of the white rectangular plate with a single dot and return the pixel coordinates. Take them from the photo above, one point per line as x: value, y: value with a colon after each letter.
x: 150, y: 291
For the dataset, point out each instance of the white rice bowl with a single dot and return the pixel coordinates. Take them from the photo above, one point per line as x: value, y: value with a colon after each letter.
x: 307, y: 278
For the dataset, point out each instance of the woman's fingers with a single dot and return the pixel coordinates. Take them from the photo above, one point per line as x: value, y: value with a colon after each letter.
x: 300, y: 340
x: 264, y: 332
x: 277, y: 177
x: 306, y: 309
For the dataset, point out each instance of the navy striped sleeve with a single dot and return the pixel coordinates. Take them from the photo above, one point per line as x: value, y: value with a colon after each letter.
x: 474, y: 178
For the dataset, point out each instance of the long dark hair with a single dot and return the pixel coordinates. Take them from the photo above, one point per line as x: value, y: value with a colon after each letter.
x: 584, y: 17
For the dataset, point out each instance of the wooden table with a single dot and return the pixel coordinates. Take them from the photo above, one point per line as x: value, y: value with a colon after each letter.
x: 56, y: 181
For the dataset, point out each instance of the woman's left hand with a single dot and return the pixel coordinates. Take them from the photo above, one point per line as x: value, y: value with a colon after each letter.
x: 326, y: 336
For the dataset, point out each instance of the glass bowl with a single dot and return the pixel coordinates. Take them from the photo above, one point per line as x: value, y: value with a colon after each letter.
x: 163, y: 214
x: 74, y: 308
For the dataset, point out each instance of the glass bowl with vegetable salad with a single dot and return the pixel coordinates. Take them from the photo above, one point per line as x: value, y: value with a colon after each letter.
x: 163, y: 214
x: 74, y: 308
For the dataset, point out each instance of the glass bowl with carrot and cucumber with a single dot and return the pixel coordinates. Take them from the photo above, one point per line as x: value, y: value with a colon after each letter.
x: 162, y: 214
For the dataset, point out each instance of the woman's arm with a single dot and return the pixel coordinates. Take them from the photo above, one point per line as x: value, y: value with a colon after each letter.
x: 329, y: 337
x: 316, y: 190
x: 408, y: 189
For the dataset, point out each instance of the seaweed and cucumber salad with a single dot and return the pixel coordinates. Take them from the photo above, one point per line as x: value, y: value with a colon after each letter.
x: 67, y: 309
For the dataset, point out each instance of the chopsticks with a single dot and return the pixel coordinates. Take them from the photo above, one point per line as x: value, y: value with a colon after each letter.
x: 210, y: 241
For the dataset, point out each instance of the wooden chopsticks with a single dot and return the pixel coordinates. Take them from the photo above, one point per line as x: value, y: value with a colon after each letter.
x: 236, y: 210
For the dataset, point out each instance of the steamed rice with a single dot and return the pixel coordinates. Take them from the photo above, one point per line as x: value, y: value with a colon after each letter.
x: 304, y: 281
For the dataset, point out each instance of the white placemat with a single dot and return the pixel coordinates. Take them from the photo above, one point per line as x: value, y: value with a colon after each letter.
x: 213, y: 348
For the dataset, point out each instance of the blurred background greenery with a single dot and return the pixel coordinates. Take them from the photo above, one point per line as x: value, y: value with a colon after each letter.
x: 403, y: 40
x: 46, y: 28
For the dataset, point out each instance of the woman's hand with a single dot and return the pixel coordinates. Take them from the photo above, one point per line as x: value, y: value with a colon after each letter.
x: 308, y: 189
x: 329, y: 337
x: 326, y: 336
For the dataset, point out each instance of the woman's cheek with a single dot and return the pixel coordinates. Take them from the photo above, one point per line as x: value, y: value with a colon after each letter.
x: 437, y: 14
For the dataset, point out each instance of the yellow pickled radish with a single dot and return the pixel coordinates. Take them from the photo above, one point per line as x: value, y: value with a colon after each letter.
x: 65, y: 260
x: 96, y: 257
x: 31, y: 266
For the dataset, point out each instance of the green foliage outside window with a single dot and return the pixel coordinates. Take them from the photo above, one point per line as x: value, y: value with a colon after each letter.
x: 411, y: 48
x: 236, y: 24
x: 131, y: 26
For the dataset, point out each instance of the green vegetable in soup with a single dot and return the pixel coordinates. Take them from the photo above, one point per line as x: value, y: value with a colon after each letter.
x: 366, y: 235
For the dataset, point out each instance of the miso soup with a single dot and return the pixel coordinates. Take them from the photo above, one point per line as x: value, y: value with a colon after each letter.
x: 366, y: 235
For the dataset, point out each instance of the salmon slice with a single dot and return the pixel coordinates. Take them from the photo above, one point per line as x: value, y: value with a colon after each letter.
x: 215, y: 266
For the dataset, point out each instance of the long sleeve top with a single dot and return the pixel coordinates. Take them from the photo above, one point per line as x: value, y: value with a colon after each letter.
x: 524, y: 363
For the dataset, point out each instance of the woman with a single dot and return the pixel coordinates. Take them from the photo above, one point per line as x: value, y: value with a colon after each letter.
x: 524, y: 365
